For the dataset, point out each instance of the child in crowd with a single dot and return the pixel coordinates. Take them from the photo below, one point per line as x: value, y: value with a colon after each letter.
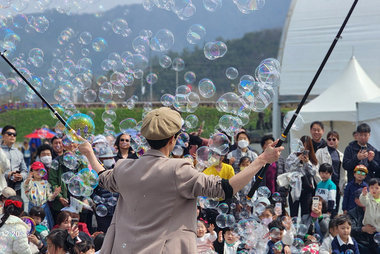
x: 205, y: 240
x: 343, y: 241
x: 39, y: 191
x: 371, y: 201
x: 326, y: 188
x: 84, y: 247
x: 227, y: 242
x: 360, y: 173
x: 244, y: 162
x: 38, y: 214
x: 326, y: 244
x: 276, y: 232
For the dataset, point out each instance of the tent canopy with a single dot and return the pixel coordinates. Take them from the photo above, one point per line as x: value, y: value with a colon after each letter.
x: 338, y: 101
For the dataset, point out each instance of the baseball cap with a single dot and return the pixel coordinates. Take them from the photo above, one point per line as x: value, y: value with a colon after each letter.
x: 37, y: 165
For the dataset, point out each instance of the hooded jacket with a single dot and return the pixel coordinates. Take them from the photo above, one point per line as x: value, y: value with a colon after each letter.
x: 14, y: 237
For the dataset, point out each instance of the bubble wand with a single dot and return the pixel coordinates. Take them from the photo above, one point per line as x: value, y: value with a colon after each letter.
x: 59, y: 117
x: 261, y: 173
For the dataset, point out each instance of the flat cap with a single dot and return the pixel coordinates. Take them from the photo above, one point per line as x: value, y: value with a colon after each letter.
x: 161, y: 123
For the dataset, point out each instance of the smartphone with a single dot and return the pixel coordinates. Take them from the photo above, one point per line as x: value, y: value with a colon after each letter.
x: 18, y: 172
x: 74, y: 221
x: 278, y: 208
x: 315, y: 203
x: 305, y: 152
x: 363, y: 149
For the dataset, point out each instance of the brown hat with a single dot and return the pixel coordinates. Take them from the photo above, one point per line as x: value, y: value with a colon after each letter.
x: 8, y: 192
x: 361, y: 168
x: 161, y: 123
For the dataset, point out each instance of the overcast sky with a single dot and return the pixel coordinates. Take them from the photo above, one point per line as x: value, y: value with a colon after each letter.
x: 91, y: 8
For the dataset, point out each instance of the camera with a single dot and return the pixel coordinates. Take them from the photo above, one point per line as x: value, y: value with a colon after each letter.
x: 305, y: 152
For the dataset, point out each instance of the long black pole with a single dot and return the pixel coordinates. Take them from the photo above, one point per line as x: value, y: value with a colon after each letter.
x: 260, y: 175
x: 59, y: 117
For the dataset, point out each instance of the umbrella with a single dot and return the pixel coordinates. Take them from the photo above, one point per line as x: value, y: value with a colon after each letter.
x: 41, y: 133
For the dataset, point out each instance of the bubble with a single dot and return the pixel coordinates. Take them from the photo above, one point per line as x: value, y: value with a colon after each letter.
x: 120, y: 26
x: 183, y: 139
x: 101, y: 210
x: 232, y: 73
x: 40, y: 23
x: 190, y: 77
x: 99, y: 44
x: 85, y: 38
x: 248, y: 6
x: 215, y: 49
x: 105, y: 95
x: 298, y: 243
x: 221, y: 220
x: 296, y: 146
x: 89, y: 177
x: 82, y: 125
x: 259, y: 209
x: 264, y: 191
x: 109, y: 116
x: 89, y: 96
x: 219, y: 143
x: 206, y: 88
x: 54, y: 165
x: 298, y: 124
x: 195, y: 34
x: 30, y: 223
x: 302, y: 229
x: 128, y: 125
x: 223, y: 208
x: 191, y: 121
x: 165, y: 61
x: 268, y: 72
x: 112, y: 201
x: 42, y: 172
x: 178, y: 64
x: 167, y: 100
x: 229, y: 124
x: 76, y: 186
x: 124, y: 245
x: 203, y: 156
x: 276, y: 197
x: 65, y: 177
x: 162, y: 41
x: 376, y: 238
x: 212, y: 5
x: 97, y: 199
x: 151, y: 78
x: 230, y: 103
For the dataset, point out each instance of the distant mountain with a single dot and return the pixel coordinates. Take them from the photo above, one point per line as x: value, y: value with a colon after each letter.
x: 227, y: 23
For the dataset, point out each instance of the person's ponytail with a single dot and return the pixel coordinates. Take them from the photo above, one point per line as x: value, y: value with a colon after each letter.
x: 14, y: 205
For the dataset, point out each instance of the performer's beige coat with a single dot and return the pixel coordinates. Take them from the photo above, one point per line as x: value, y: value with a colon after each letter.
x: 156, y: 210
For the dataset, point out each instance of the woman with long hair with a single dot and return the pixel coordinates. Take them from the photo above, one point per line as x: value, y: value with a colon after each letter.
x: 124, y: 149
x: 305, y: 163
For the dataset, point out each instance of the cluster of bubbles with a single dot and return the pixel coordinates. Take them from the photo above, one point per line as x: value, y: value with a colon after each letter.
x: 82, y: 183
x: 207, y: 156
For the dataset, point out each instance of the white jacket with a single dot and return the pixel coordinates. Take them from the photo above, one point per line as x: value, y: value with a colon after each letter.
x: 14, y: 237
x: 323, y: 156
x: 372, y: 211
x: 4, y: 165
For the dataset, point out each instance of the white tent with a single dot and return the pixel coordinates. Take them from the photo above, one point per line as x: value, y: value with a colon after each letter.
x: 336, y: 106
x: 369, y: 112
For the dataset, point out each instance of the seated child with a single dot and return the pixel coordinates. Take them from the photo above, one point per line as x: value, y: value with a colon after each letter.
x: 343, y: 241
x: 371, y: 201
x: 205, y: 240
x: 37, y: 213
x: 360, y: 173
x: 275, y: 244
x: 326, y: 188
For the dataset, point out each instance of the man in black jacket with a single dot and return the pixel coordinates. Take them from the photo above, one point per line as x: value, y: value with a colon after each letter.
x: 363, y: 234
x: 361, y: 152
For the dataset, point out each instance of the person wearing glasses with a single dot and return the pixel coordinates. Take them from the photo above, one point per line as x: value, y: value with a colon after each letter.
x: 124, y: 149
x: 17, y: 172
x: 331, y: 155
x: 360, y: 172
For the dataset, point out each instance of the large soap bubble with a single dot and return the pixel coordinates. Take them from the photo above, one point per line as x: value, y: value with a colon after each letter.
x: 82, y: 125
x: 206, y: 88
x: 162, y: 41
x: 232, y: 73
x: 178, y: 64
x: 212, y: 5
x: 195, y: 34
x: 298, y: 124
x: 219, y: 143
x: 214, y: 49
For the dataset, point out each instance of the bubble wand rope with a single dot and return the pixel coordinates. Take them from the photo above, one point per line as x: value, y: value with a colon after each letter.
x: 261, y: 173
x: 59, y: 117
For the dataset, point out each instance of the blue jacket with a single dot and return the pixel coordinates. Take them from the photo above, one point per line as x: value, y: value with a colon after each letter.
x: 349, y: 194
x: 350, y: 161
x: 341, y: 249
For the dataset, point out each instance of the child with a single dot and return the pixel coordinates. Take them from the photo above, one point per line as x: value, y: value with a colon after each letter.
x: 205, y: 240
x: 360, y: 173
x: 343, y: 241
x: 39, y: 191
x: 230, y: 243
x: 244, y: 162
x: 371, y: 201
x: 326, y: 244
x: 326, y: 188
x: 276, y: 230
x: 37, y: 213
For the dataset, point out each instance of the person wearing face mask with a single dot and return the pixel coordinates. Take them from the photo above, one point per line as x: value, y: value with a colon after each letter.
x: 234, y: 156
x: 44, y: 155
x: 105, y: 156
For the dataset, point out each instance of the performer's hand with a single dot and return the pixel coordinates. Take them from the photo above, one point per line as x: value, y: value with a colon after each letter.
x: 85, y: 148
x: 272, y: 153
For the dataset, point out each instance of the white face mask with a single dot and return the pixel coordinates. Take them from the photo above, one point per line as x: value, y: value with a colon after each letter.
x: 108, y: 163
x: 243, y: 143
x: 266, y: 221
x: 46, y: 160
